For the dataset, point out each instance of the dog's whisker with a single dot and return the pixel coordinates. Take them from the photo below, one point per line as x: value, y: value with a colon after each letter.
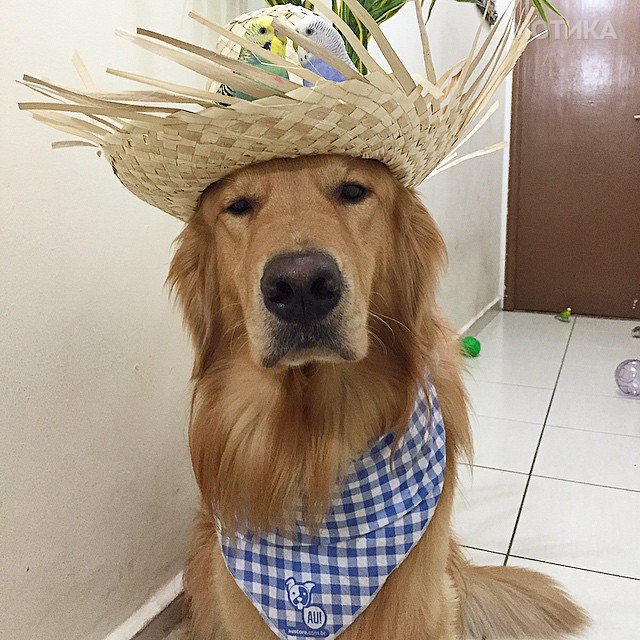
x: 372, y: 334
x: 233, y: 340
x: 241, y: 346
x: 380, y: 317
x: 392, y: 319
x: 377, y: 293
x: 233, y: 329
x: 377, y: 317
x: 228, y: 306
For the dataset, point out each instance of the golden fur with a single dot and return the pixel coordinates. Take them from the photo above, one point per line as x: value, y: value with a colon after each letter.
x: 270, y: 433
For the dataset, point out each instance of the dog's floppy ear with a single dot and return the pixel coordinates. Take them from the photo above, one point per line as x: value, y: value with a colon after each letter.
x: 419, y: 260
x: 192, y: 280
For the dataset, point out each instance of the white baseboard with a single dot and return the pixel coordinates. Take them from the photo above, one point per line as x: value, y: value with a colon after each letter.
x: 489, y: 307
x: 153, y: 607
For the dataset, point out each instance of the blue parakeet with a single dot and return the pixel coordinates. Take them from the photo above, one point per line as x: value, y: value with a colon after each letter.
x: 262, y: 33
x: 323, y: 33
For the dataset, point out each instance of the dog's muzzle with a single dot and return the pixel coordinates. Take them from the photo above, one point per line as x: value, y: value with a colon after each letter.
x: 301, y: 288
x: 302, y: 292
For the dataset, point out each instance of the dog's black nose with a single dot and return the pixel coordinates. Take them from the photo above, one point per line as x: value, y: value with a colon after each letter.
x: 301, y: 287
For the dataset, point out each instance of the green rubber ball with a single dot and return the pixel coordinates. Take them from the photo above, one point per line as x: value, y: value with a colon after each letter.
x: 470, y: 347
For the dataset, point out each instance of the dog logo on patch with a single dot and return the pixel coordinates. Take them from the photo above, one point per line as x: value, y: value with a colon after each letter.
x: 299, y: 593
x: 313, y: 617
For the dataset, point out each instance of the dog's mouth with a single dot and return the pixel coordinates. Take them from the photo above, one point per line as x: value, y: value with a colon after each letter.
x: 296, y: 345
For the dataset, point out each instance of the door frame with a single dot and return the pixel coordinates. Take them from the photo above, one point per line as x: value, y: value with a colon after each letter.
x: 513, y: 200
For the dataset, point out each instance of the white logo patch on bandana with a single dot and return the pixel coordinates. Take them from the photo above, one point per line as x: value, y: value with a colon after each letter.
x: 314, y: 585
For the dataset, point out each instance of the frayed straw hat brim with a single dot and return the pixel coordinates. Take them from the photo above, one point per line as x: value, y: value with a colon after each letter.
x: 168, y: 155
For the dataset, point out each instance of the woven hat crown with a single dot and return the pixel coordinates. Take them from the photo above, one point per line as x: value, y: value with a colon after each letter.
x: 167, y: 144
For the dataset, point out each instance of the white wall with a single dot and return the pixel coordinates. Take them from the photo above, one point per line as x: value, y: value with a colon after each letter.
x: 96, y: 494
x: 468, y: 201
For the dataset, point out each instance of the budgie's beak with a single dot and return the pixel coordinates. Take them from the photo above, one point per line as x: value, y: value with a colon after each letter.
x: 282, y: 39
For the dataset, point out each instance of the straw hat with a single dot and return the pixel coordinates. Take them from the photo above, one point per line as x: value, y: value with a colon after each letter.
x: 167, y: 144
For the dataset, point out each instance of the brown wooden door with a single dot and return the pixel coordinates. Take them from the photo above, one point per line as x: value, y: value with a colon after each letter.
x: 574, y: 204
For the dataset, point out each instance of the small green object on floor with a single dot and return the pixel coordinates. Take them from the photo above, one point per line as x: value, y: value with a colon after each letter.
x: 470, y: 347
x: 564, y: 316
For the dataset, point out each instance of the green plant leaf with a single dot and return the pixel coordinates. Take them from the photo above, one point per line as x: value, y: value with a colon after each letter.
x: 542, y: 6
x: 541, y: 10
x: 298, y: 3
x: 360, y: 30
x: 379, y: 10
x: 382, y: 10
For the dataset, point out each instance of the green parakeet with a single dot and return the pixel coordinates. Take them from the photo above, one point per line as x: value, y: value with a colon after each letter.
x: 262, y: 33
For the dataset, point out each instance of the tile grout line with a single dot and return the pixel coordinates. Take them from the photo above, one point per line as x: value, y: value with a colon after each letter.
x: 569, y: 566
x: 469, y: 546
x: 602, y: 433
x: 555, y: 564
x: 556, y: 478
x: 535, y: 455
x: 511, y: 384
x: 533, y: 424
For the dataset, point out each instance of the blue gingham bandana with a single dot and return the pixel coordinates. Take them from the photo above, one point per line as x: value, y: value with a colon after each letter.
x: 315, y: 584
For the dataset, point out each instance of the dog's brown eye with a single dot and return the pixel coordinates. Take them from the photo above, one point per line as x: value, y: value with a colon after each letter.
x: 240, y: 207
x: 352, y: 192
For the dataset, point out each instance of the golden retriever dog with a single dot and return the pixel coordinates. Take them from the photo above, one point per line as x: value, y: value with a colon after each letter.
x: 308, y: 288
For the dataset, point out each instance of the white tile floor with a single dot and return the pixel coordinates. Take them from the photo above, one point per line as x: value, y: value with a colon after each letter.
x: 556, y: 481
